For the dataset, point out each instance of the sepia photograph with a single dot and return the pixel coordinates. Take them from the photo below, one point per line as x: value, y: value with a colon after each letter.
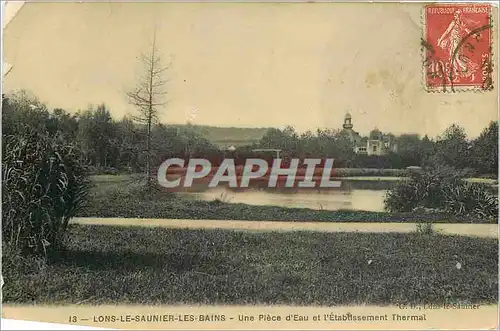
x: 250, y: 165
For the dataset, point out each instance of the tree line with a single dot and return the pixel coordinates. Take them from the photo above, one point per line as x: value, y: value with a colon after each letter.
x: 107, y: 145
x: 452, y: 149
x: 110, y: 145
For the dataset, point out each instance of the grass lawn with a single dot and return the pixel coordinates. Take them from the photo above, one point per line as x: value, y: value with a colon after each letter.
x: 373, y: 178
x: 125, y: 265
x: 392, y: 179
x: 125, y: 198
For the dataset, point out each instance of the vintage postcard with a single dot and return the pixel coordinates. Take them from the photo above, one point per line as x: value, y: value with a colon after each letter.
x: 250, y: 165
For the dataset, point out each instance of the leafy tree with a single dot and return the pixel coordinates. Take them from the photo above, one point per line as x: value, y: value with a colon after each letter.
x: 23, y: 111
x: 452, y: 149
x: 485, y: 150
x: 344, y: 149
x: 275, y: 138
x: 63, y: 123
x: 97, y: 136
x: 427, y: 150
x: 408, y: 148
x: 413, y: 150
x: 129, y: 144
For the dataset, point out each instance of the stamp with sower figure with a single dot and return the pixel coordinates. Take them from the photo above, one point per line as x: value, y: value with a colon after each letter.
x: 457, y: 47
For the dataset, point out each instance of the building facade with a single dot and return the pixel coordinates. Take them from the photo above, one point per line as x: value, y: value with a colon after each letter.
x: 377, y: 143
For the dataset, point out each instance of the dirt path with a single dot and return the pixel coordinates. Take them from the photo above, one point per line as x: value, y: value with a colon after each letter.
x: 480, y: 230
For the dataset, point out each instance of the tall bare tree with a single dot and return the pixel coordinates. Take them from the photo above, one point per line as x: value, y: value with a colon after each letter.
x: 149, y: 95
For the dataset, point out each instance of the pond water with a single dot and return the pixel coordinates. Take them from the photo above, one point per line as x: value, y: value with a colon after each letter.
x: 332, y: 199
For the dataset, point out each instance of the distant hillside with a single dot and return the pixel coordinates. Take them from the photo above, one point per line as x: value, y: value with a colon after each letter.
x: 227, y: 136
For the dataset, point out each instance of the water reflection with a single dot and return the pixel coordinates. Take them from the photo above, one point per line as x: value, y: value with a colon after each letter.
x: 333, y: 199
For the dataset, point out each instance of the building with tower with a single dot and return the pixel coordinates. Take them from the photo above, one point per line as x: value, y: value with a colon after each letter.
x: 377, y: 143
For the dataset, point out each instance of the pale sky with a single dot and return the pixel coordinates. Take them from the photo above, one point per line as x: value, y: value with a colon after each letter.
x: 248, y: 65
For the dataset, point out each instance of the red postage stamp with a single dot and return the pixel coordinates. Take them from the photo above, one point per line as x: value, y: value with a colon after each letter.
x: 457, y: 47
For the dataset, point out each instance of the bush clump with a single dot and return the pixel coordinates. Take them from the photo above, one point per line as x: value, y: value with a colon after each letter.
x: 44, y: 183
x: 442, y: 191
x: 472, y: 199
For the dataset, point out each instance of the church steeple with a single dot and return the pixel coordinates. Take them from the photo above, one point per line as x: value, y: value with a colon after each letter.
x: 347, y: 122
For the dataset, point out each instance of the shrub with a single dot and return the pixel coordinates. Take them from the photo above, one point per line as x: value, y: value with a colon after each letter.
x: 426, y: 228
x: 422, y: 190
x: 472, y: 199
x: 444, y: 191
x: 452, y: 172
x: 43, y: 185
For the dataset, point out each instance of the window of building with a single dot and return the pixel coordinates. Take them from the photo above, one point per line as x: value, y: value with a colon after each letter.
x: 374, y: 148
